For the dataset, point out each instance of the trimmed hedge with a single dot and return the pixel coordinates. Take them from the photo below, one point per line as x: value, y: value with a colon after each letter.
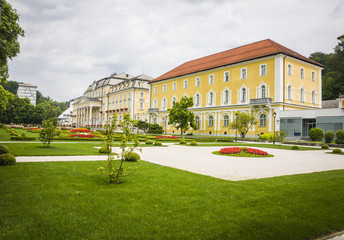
x: 325, y: 146
x: 157, y: 143
x: 316, y: 134
x: 21, y: 138
x: 104, y: 150
x: 337, y: 150
x: 340, y: 137
x: 7, y: 159
x: 182, y: 142
x: 295, y: 147
x: 193, y: 143
x: 132, y: 157
x: 3, y: 149
x: 149, y: 142
x: 329, y: 136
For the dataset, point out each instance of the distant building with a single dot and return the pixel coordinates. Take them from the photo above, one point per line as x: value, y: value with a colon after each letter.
x: 27, y: 91
x: 341, y: 38
x: 66, y: 118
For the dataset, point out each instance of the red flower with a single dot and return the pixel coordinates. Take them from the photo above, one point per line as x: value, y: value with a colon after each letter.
x: 256, y: 151
x: 171, y: 137
x: 83, y: 130
x: 230, y: 150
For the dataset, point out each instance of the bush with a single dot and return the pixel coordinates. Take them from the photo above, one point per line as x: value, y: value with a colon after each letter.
x: 20, y: 138
x: 155, y: 128
x: 337, y: 150
x: 149, y: 142
x: 7, y: 159
x: 295, y: 147
x: 104, y: 150
x: 3, y: 149
x: 2, y: 125
x: 157, y: 143
x: 225, y: 140
x: 193, y: 143
x: 132, y: 157
x: 182, y: 142
x: 267, y: 136
x: 329, y: 136
x: 325, y: 146
x: 340, y: 137
x: 316, y: 134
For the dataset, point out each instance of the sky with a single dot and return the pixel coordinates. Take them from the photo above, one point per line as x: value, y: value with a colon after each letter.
x: 69, y: 44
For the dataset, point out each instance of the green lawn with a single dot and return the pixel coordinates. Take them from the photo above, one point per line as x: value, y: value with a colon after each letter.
x: 276, y: 146
x: 4, y: 136
x: 72, y: 200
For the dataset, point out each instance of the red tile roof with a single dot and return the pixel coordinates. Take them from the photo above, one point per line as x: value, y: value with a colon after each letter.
x: 236, y: 55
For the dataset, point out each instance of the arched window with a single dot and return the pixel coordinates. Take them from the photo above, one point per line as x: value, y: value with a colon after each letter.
x: 164, y: 103
x: 289, y: 92
x: 155, y: 103
x: 226, y: 96
x: 263, y: 89
x: 174, y: 99
x: 210, y: 121
x: 243, y: 95
x: 197, y: 121
x: 211, y: 98
x: 313, y: 97
x: 302, y: 92
x: 226, y: 121
x: 197, y: 100
x: 262, y: 120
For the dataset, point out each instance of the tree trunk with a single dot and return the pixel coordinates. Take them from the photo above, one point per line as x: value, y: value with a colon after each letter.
x: 181, y: 132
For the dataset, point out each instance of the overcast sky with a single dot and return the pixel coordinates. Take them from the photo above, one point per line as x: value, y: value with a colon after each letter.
x: 70, y: 43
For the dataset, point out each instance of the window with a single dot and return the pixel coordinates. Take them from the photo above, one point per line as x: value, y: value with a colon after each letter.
x: 198, y: 81
x: 174, y: 99
x: 164, y: 88
x: 155, y: 89
x: 211, y: 79
x: 155, y: 103
x: 313, y: 76
x: 197, y: 100
x: 226, y: 97
x: 226, y: 76
x: 262, y: 70
x: 289, y: 92
x: 313, y: 97
x: 243, y: 74
x: 211, y: 98
x: 243, y: 95
x: 290, y: 69
x: 210, y: 121
x: 141, y: 105
x: 164, y: 103
x: 174, y: 86
x: 263, y: 91
x: 226, y: 121
x: 185, y: 84
x: 141, y: 94
x: 262, y: 120
x: 302, y: 73
x: 302, y: 92
x: 197, y: 121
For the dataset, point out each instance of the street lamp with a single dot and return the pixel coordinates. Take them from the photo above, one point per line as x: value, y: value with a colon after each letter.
x: 164, y: 119
x: 236, y: 127
x: 274, y: 126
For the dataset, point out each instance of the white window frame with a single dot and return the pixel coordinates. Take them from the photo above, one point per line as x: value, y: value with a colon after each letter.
x: 313, y: 97
x: 174, y: 86
x: 164, y: 87
x: 289, y: 92
x: 263, y: 87
x: 313, y: 76
x: 185, y: 84
x: 198, y: 82
x: 212, y: 121
x: 142, y: 94
x: 155, y: 89
x: 224, y: 96
x: 243, y: 73
x: 262, y: 121
x: 164, y: 104
x: 226, y: 76
x: 302, y: 73
x: 197, y: 99
x: 211, y: 79
x: 243, y: 97
x: 302, y: 93
x: 197, y: 120
x: 262, y: 69
x: 290, y: 69
x: 226, y: 120
x: 211, y: 98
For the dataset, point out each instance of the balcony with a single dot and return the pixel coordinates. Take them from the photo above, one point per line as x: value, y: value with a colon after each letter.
x: 153, y: 110
x: 260, y: 101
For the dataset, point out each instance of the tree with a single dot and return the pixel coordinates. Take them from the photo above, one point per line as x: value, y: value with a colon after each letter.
x: 9, y: 33
x: 142, y: 125
x: 181, y: 116
x: 49, y: 131
x: 244, y: 123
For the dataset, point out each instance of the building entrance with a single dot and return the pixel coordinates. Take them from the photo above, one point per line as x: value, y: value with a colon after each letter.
x: 307, y: 124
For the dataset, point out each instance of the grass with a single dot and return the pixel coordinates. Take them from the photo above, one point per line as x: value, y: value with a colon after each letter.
x: 4, y: 136
x: 259, y: 145
x: 72, y: 200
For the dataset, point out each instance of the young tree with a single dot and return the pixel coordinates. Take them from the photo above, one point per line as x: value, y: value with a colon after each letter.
x: 181, y: 116
x: 142, y: 125
x: 243, y: 123
x: 49, y: 131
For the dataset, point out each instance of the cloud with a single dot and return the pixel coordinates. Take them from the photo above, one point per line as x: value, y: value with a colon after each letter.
x: 69, y: 44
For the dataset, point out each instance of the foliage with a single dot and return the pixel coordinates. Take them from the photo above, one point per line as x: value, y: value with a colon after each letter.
x: 113, y: 172
x: 325, y: 146
x: 280, y: 136
x: 11, y: 86
x: 295, y: 147
x: 3, y: 149
x: 10, y: 31
x: 181, y: 116
x: 329, y: 136
x: 149, y: 141
x: 7, y: 159
x: 132, y: 157
x: 340, y: 137
x: 267, y: 136
x: 333, y: 74
x: 155, y: 128
x: 337, y: 150
x: 23, y: 138
x: 157, y: 143
x: 142, y: 125
x: 243, y: 123
x: 316, y: 134
x: 193, y: 143
x: 103, y: 149
x: 182, y: 141
x: 49, y: 131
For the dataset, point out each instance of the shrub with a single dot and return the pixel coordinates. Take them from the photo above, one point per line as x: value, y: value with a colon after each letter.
x: 325, y: 146
x: 155, y: 128
x: 295, y: 147
x: 2, y: 125
x: 157, y: 143
x: 193, y: 143
x: 20, y: 138
x: 182, y: 142
x: 132, y: 157
x: 340, y: 136
x: 329, y: 136
x: 267, y: 136
x: 316, y: 134
x: 337, y: 150
x: 7, y: 159
x: 225, y: 140
x: 104, y: 150
x: 149, y: 142
x: 3, y: 149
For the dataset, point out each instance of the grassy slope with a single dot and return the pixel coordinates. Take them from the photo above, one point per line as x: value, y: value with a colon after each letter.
x: 71, y: 200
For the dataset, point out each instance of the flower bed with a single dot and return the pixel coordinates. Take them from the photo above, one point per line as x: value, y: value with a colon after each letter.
x: 34, y: 128
x: 170, y: 137
x: 242, y: 152
x: 81, y: 130
x: 83, y: 135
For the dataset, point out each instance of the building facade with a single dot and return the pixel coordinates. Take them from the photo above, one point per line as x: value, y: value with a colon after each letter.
x: 261, y: 78
x: 27, y: 91
x: 66, y: 118
x: 117, y: 94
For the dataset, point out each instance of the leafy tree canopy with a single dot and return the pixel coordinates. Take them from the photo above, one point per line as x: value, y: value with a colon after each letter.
x: 243, y: 123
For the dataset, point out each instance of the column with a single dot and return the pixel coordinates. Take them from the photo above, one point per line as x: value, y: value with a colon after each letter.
x: 90, y: 116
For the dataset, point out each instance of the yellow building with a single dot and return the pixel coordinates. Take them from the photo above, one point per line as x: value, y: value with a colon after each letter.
x: 260, y: 78
x: 118, y: 94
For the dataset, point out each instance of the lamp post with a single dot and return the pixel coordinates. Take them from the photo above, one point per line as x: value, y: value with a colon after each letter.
x: 274, y: 127
x: 138, y: 119
x: 236, y: 127
x: 164, y: 122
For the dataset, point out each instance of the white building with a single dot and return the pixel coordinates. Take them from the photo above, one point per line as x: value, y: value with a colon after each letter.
x: 66, y: 118
x: 27, y: 91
